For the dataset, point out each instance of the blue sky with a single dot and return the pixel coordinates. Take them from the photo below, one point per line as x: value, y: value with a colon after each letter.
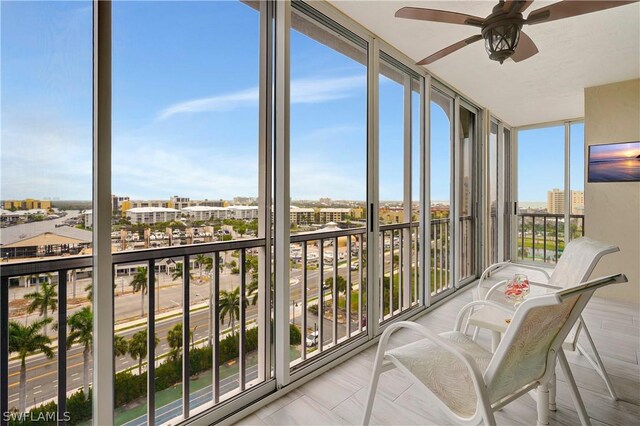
x: 185, y: 108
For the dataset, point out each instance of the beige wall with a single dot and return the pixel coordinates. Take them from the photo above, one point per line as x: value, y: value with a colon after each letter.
x: 612, y: 210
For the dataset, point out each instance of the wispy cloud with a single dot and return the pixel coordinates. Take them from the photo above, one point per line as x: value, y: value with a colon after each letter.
x: 214, y: 103
x: 304, y: 90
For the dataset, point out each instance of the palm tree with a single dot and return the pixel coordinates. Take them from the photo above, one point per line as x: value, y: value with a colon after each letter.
x: 203, y: 262
x: 120, y: 346
x: 43, y: 300
x: 174, y: 340
x: 26, y: 340
x: 139, y: 284
x: 81, y: 331
x: 178, y: 272
x: 230, y: 305
x: 138, y: 347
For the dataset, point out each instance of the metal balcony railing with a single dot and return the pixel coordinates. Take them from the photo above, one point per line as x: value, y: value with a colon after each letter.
x: 399, y: 269
x: 440, y: 255
x: 61, y: 269
x: 326, y: 281
x: 541, y: 236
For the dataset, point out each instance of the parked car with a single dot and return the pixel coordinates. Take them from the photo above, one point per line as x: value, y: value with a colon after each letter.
x: 312, y: 339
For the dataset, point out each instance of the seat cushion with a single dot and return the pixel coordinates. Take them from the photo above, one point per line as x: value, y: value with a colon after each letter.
x: 442, y: 372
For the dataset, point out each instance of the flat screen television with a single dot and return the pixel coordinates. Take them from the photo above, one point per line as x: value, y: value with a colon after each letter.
x: 614, y: 162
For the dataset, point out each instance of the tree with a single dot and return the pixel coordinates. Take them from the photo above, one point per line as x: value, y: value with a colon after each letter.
x: 81, y: 332
x: 139, y: 284
x: 138, y: 347
x: 26, y: 340
x: 230, y: 305
x: 342, y: 284
x: 174, y: 340
x: 43, y: 300
x: 178, y: 272
x: 120, y: 346
x: 204, y: 262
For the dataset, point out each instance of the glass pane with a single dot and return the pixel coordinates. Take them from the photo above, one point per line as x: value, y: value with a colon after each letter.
x: 328, y: 186
x: 541, y: 194
x: 185, y: 123
x: 46, y: 112
x: 416, y: 161
x: 467, y: 196
x: 577, y: 180
x: 185, y: 171
x: 493, y: 191
x: 506, y: 179
x: 441, y: 160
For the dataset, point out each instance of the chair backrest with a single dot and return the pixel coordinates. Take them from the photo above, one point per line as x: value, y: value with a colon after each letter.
x: 537, y: 330
x: 578, y: 260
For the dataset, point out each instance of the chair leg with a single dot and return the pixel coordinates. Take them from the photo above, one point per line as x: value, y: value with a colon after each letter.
x: 597, y: 363
x: 377, y: 370
x: 495, y: 340
x: 466, y: 324
x: 542, y: 402
x: 552, y: 392
x: 573, y: 388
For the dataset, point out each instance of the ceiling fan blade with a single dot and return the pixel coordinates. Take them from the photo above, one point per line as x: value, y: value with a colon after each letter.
x: 434, y: 15
x: 447, y: 50
x: 516, y: 6
x: 526, y: 48
x: 569, y: 8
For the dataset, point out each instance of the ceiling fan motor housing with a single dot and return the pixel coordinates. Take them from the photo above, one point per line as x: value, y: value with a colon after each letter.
x: 501, y: 33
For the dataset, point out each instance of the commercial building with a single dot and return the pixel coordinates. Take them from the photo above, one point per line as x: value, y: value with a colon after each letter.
x: 243, y: 212
x: 326, y: 215
x: 301, y: 215
x: 116, y: 203
x: 205, y: 212
x: 152, y: 215
x: 87, y: 218
x: 27, y: 204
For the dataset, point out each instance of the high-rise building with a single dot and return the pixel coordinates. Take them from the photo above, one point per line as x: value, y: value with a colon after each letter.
x: 555, y: 202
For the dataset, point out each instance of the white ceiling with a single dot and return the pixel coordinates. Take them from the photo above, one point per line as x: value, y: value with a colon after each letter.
x: 583, y: 51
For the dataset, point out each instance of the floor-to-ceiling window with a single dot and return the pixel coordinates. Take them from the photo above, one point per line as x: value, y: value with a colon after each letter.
x: 576, y: 180
x: 328, y: 185
x: 186, y: 172
x: 399, y: 141
x: 466, y: 199
x: 441, y: 126
x: 493, y: 192
x: 550, y: 190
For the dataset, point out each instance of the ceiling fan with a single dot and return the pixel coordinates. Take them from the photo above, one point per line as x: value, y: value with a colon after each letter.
x: 502, y: 29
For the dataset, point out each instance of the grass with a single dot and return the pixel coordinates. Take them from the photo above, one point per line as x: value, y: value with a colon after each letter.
x: 128, y: 413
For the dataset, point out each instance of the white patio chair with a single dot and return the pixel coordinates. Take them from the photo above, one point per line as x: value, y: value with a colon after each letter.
x: 470, y: 383
x: 575, y: 266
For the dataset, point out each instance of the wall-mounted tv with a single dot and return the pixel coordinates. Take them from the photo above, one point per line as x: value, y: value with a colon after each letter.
x: 614, y: 162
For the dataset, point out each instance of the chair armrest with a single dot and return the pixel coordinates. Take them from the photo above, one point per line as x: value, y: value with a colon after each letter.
x: 549, y: 286
x: 474, y: 304
x: 493, y: 268
x: 474, y: 371
x: 494, y: 288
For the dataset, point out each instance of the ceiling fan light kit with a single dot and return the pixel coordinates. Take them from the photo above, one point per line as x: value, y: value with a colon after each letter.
x: 502, y: 29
